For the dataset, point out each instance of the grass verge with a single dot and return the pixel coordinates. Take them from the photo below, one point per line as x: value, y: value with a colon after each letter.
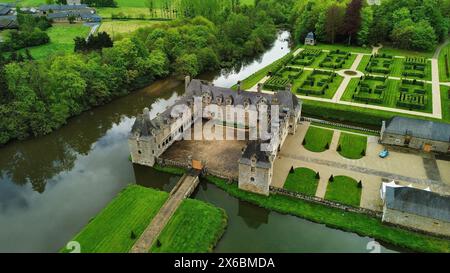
x: 361, y: 224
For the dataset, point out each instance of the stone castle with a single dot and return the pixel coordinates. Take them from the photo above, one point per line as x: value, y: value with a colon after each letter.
x: 150, y: 138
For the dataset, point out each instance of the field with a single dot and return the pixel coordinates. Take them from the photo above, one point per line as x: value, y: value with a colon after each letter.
x: 361, y: 224
x: 131, y: 211
x: 124, y: 26
x: 195, y: 227
x: 302, y: 180
x: 402, y: 52
x: 352, y: 146
x: 317, y: 139
x: 61, y: 40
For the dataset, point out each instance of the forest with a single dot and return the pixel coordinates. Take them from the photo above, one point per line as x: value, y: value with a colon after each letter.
x: 405, y: 24
x: 38, y: 96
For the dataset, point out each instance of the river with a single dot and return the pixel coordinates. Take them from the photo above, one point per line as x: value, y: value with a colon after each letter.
x: 50, y: 187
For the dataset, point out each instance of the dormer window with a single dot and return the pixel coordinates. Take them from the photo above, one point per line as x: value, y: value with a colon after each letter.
x: 206, y: 98
x: 219, y: 100
x: 229, y: 100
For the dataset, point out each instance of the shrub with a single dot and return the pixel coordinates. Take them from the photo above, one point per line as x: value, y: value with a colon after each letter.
x: 317, y: 175
x: 331, y: 179
x: 327, y: 146
x: 132, y: 235
x: 304, y: 142
x: 360, y: 184
x: 292, y: 170
x: 339, y: 148
x: 363, y: 152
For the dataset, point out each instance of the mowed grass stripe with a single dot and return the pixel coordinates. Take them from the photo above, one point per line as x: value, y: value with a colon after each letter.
x: 345, y: 190
x: 131, y: 211
x: 316, y: 139
x: 195, y: 227
x: 352, y: 146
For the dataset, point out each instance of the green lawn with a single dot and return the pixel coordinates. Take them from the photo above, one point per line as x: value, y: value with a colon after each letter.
x: 316, y: 139
x: 344, y: 190
x: 352, y: 146
x: 363, y: 64
x: 361, y: 224
x: 344, y: 47
x: 61, y: 40
x: 442, y: 67
x: 131, y: 211
x: 117, y: 28
x: 403, y: 52
x: 195, y: 227
x: 445, y: 100
x: 303, y: 180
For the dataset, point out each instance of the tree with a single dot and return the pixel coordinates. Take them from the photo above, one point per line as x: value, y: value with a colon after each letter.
x: 334, y: 21
x: 366, y: 22
x: 352, y: 20
x: 71, y: 19
x: 187, y: 64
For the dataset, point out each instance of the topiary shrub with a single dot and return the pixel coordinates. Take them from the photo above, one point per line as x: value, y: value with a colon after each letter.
x: 360, y: 184
x: 331, y: 179
x: 327, y: 146
x: 132, y: 235
x: 292, y: 170
x: 317, y: 175
x: 363, y: 152
x: 339, y: 148
x: 304, y: 142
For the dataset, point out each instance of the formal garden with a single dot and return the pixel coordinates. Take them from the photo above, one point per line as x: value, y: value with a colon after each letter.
x: 337, y: 59
x: 302, y: 180
x: 371, y: 89
x: 319, y: 83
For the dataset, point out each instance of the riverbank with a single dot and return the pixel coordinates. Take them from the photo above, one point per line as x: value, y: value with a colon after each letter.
x: 354, y: 222
x: 118, y: 226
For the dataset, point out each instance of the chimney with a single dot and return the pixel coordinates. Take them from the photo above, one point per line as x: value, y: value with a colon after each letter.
x: 259, y: 88
x: 187, y: 81
x: 239, y: 87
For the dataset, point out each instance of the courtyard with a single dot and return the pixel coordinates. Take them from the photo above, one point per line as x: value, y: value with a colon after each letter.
x: 317, y: 166
x: 219, y: 156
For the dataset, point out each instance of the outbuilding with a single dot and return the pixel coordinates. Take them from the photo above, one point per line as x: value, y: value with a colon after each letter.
x: 428, y: 136
x: 310, y: 39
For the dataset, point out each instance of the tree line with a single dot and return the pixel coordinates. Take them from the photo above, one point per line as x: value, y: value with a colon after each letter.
x: 38, y: 96
x: 406, y: 24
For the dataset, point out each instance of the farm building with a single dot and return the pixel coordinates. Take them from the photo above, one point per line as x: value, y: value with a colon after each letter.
x: 428, y: 136
x: 415, y: 208
x: 8, y: 22
x: 310, y: 39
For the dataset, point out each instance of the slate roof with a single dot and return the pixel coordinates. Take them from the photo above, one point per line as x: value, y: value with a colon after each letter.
x: 284, y: 98
x: 437, y: 131
x: 310, y: 36
x: 253, y: 149
x: 56, y: 7
x: 420, y: 202
x: 87, y: 15
x: 144, y: 127
x: 9, y: 21
x: 4, y: 10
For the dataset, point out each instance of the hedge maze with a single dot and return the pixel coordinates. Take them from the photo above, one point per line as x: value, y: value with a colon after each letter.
x: 283, y: 77
x: 317, y: 83
x: 371, y: 89
x: 381, y: 64
x: 413, y: 95
x: 414, y: 67
x: 306, y: 57
x: 335, y: 59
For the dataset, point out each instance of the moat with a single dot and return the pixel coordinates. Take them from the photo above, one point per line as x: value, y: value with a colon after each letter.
x: 50, y: 187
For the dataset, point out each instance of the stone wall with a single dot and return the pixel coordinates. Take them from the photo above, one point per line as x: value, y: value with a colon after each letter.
x: 341, y: 125
x: 141, y: 151
x: 256, y: 181
x: 324, y: 202
x: 416, y: 223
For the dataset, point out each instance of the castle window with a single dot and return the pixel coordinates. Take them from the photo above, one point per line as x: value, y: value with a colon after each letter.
x: 139, y: 152
x: 253, y: 169
x: 252, y: 179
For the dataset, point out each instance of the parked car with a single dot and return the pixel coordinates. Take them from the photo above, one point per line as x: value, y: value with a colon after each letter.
x: 384, y: 153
